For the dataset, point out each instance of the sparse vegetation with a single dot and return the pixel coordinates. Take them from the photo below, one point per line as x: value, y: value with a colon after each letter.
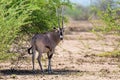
x: 107, y: 12
x: 7, y: 56
x: 115, y: 53
x: 78, y: 12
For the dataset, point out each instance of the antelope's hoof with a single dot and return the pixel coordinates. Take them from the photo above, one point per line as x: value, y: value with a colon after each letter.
x: 50, y: 71
x: 42, y: 71
x: 33, y: 70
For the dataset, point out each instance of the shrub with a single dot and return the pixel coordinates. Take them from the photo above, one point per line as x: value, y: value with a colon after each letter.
x: 18, y: 17
x: 108, y: 15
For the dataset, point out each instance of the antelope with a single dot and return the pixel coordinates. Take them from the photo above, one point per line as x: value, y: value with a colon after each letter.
x: 46, y: 43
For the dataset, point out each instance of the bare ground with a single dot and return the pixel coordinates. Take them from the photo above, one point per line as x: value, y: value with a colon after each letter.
x: 74, y: 59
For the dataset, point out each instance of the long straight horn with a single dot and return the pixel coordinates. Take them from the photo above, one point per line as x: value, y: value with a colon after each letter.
x: 62, y: 17
x: 58, y: 15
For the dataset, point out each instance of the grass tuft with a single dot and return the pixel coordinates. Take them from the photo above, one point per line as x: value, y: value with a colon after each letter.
x: 114, y: 53
x: 7, y: 56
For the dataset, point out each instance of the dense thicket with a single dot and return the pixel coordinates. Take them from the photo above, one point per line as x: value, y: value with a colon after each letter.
x: 26, y: 16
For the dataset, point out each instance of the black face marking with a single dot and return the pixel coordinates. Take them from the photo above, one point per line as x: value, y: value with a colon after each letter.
x: 61, y: 31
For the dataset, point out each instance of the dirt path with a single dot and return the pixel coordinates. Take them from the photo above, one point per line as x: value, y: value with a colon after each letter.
x: 74, y: 59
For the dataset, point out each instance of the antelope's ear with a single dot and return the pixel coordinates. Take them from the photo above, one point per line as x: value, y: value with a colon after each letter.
x: 55, y: 29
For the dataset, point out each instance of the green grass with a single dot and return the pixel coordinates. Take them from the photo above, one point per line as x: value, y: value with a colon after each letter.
x: 114, y: 53
x: 7, y: 56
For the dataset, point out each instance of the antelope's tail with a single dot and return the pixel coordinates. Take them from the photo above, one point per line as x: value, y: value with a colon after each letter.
x: 29, y: 52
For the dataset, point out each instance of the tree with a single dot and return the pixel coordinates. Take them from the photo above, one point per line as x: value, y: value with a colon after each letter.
x: 19, y: 17
x: 107, y: 11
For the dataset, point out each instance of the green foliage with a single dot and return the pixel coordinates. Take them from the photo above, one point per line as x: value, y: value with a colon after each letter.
x: 12, y: 16
x: 78, y: 12
x: 45, y: 17
x: 18, y: 17
x: 114, y: 53
x: 108, y: 15
x: 7, y: 56
x: 73, y: 13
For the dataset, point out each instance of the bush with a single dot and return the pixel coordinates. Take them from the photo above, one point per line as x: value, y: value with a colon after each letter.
x: 109, y: 15
x: 19, y: 17
x: 12, y: 17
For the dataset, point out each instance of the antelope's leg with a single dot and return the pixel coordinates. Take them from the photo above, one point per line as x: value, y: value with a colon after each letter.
x: 49, y: 62
x: 39, y: 61
x: 33, y: 58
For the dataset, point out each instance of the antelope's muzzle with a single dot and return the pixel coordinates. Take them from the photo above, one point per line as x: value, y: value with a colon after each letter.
x: 61, y: 37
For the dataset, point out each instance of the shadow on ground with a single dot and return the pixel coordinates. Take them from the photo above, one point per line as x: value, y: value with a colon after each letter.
x: 30, y: 72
